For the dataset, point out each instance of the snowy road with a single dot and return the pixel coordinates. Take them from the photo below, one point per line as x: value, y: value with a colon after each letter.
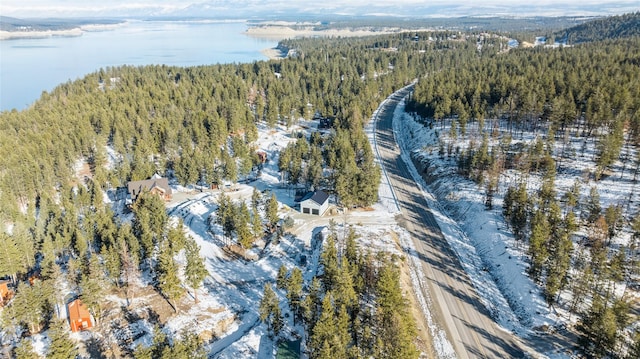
x: 456, y: 306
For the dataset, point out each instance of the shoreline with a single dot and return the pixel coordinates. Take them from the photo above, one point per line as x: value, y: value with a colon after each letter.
x: 277, y: 31
x: 72, y: 32
x: 273, y: 53
x: 15, y: 35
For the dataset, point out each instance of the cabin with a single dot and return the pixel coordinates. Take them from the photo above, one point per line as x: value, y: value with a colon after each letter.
x: 316, y: 203
x: 324, y: 122
x: 156, y: 185
x: 5, y: 292
x: 79, y: 316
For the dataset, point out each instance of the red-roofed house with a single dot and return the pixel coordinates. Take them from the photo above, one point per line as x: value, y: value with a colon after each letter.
x: 5, y: 292
x: 79, y: 316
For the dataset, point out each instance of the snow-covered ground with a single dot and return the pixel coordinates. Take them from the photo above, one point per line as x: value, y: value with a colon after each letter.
x: 477, y: 238
x: 236, y: 285
x: 494, y: 260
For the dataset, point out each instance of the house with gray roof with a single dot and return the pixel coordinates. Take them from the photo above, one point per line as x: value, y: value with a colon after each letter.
x: 156, y: 185
x: 316, y: 202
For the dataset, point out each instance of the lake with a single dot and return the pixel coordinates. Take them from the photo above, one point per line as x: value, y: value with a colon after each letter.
x: 30, y: 66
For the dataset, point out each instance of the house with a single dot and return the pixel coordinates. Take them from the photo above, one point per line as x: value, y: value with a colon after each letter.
x: 4, y: 288
x: 156, y: 185
x: 324, y: 122
x: 315, y: 202
x: 79, y: 316
x: 5, y: 292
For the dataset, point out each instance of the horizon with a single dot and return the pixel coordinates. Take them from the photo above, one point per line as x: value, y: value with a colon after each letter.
x: 278, y: 9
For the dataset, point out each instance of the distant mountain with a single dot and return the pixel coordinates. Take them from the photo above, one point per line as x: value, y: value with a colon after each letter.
x: 613, y: 27
x: 326, y: 9
x: 400, y: 9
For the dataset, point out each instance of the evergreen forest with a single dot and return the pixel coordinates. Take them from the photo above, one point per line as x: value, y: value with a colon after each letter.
x: 198, y: 125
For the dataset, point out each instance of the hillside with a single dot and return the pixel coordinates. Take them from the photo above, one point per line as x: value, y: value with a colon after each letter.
x: 613, y: 27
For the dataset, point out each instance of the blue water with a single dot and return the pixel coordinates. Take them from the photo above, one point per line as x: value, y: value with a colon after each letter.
x: 30, y: 66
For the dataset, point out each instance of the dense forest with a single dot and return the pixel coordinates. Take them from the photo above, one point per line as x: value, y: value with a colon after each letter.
x: 613, y: 27
x: 195, y: 125
x: 199, y: 124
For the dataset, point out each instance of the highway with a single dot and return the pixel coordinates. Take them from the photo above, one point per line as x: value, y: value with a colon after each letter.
x: 456, y: 307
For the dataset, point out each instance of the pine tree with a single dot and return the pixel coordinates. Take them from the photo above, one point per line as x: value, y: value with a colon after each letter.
x: 30, y: 305
x: 294, y: 292
x: 272, y: 211
x: 345, y: 294
x: 329, y: 262
x: 593, y: 209
x: 311, y: 303
x: 189, y: 346
x: 558, y: 267
x: 342, y: 335
x: 324, y: 329
x: 176, y: 237
x: 396, y: 327
x: 168, y: 281
x: 507, y: 203
x: 256, y: 197
x: 12, y: 259
x: 256, y: 224
x: 195, y: 270
x: 269, y: 311
x: 112, y: 263
x: 613, y: 217
x: 281, y: 279
x: 24, y: 350
x: 93, y: 287
x: 598, y: 329
x: 150, y: 222
x: 520, y: 210
x: 225, y: 215
x: 351, y: 249
x: 540, y: 232
x: 61, y: 346
x: 242, y: 220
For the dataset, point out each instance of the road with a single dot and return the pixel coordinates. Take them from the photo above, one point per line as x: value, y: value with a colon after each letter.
x: 456, y: 306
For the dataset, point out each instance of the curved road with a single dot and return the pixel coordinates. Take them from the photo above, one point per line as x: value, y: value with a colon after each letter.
x: 455, y: 304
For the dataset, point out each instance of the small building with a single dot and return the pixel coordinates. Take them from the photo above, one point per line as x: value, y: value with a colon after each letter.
x: 5, y: 292
x: 79, y: 316
x: 324, y: 122
x: 156, y: 185
x: 316, y: 202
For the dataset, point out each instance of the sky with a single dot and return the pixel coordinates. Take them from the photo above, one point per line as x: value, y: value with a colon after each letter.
x: 70, y: 8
